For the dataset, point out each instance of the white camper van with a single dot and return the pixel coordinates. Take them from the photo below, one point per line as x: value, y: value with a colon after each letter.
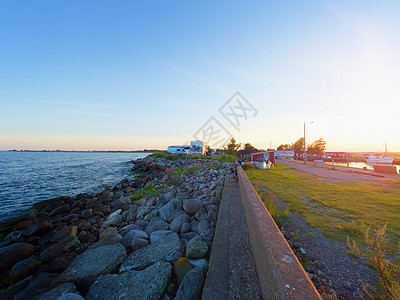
x: 178, y: 149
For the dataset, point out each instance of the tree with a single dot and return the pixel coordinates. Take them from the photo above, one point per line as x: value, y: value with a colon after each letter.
x: 298, y: 145
x: 232, y: 147
x: 317, y: 147
x: 283, y: 147
x: 249, y: 146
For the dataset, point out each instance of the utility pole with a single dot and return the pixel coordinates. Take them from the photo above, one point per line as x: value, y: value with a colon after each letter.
x: 304, y: 152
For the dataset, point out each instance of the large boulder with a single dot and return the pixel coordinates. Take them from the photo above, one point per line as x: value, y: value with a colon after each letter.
x: 156, y: 223
x: 113, y: 219
x: 92, y: 263
x: 38, y: 228
x: 110, y: 239
x: 158, y: 235
x: 39, y: 284
x: 52, y: 251
x: 191, y: 286
x: 167, y: 249
x: 24, y: 268
x: 196, y: 249
x: 177, y: 223
x: 58, y: 291
x: 165, y: 210
x: 150, y: 283
x: 13, y: 253
x: 191, y: 206
x: 133, y: 235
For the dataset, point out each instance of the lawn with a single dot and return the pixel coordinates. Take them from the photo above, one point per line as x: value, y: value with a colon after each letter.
x: 338, y: 209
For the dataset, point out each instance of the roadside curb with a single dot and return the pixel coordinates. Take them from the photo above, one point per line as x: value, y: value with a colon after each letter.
x: 280, y: 273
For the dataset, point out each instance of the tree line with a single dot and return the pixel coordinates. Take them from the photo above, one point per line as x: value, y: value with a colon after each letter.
x: 317, y: 147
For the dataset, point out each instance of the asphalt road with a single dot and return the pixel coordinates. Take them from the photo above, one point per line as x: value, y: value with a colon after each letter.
x: 340, y: 173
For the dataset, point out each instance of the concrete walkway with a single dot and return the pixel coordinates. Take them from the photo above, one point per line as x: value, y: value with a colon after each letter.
x: 232, y: 270
x: 340, y: 173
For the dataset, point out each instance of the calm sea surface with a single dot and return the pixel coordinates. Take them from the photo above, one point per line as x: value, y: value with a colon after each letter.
x: 30, y: 177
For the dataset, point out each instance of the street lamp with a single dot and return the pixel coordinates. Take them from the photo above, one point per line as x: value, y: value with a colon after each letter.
x: 304, y: 152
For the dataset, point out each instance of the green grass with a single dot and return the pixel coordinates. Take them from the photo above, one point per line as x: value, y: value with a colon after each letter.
x: 336, y: 208
x: 225, y: 158
x: 147, y: 190
x: 221, y: 158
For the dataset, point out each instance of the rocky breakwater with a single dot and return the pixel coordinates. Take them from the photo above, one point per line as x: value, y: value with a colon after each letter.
x: 148, y: 238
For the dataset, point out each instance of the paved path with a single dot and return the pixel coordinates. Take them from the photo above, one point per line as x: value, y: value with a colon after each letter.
x: 232, y: 270
x: 339, y: 174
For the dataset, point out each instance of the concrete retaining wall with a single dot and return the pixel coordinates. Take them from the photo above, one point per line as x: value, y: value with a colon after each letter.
x: 280, y: 273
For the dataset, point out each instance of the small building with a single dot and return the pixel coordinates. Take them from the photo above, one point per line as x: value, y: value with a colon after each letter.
x: 243, y: 153
x: 288, y: 153
x: 270, y: 155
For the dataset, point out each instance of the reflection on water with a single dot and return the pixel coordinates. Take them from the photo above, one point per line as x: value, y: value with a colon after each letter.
x: 360, y: 165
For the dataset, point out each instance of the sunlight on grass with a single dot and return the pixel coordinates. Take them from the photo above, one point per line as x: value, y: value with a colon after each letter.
x: 338, y: 209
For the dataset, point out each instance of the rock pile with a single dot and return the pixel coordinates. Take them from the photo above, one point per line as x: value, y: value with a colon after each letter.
x: 147, y: 238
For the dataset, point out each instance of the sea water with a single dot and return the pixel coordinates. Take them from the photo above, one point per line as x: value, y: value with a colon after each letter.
x: 30, y: 177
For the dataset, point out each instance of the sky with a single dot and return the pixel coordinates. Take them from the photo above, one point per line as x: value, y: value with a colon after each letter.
x: 129, y: 75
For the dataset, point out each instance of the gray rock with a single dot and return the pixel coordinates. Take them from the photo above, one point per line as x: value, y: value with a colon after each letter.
x: 58, y: 291
x: 158, y: 235
x: 174, y: 214
x: 38, y: 228
x: 107, y: 231
x: 151, y: 215
x: 113, y: 219
x: 142, y: 224
x: 52, y: 251
x: 39, y: 284
x: 131, y: 213
x: 65, y: 231
x: 143, y: 211
x: 71, y: 296
x: 14, y: 236
x: 60, y: 210
x: 177, y: 223
x: 167, y: 249
x: 15, y: 288
x: 203, y: 226
x: 124, y: 230
x: 13, y: 253
x: 165, y: 210
x: 188, y: 236
x: 131, y: 235
x: 191, y: 286
x: 177, y: 202
x: 122, y: 203
x: 86, y: 267
x: 138, y: 243
x: 196, y: 249
x: 150, y: 283
x: 200, y: 263
x: 109, y: 239
x: 24, y: 268
x: 191, y: 206
x: 200, y: 214
x: 157, y: 223
x: 185, y: 227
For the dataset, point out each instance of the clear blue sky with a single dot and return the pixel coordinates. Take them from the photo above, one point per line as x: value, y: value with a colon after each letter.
x: 148, y: 74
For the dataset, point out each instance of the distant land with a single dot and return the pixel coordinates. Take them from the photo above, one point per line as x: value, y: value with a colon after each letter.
x: 85, y: 151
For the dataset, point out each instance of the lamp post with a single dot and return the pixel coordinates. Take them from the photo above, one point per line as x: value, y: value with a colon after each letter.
x: 304, y: 152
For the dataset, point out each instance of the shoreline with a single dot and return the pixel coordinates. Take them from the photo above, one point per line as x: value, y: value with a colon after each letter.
x: 34, y: 177
x: 170, y: 209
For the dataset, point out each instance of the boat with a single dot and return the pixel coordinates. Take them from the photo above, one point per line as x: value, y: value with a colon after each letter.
x: 374, y: 159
